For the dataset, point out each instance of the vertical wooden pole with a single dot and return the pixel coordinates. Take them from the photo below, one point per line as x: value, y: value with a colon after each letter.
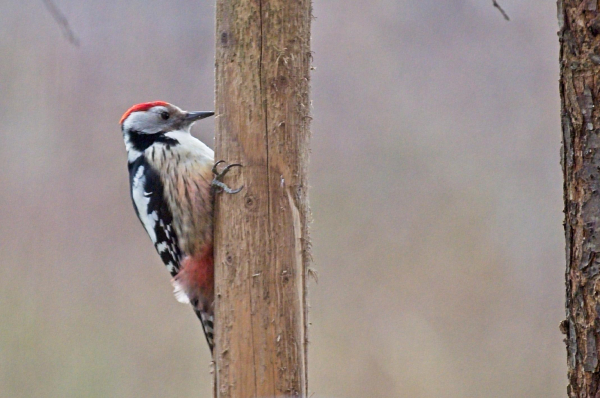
x: 261, y: 234
x: 579, y: 35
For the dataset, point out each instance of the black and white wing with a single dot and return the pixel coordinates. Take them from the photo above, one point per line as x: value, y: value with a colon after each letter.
x: 152, y: 209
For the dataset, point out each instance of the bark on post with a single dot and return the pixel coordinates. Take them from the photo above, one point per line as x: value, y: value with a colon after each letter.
x: 579, y: 35
x: 261, y: 234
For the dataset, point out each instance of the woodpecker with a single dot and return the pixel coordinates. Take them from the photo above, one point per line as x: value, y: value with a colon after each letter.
x: 173, y: 179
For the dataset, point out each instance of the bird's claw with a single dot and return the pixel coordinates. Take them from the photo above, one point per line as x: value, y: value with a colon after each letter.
x: 218, y: 184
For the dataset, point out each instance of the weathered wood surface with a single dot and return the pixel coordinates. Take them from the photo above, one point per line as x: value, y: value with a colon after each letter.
x: 261, y: 234
x: 579, y: 35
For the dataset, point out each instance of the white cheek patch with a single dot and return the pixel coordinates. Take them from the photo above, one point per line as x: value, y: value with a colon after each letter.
x: 143, y: 122
x: 141, y: 203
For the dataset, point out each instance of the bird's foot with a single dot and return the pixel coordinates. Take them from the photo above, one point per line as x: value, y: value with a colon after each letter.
x: 220, y: 185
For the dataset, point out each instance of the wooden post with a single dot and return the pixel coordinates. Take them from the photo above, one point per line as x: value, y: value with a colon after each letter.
x: 579, y: 35
x: 261, y: 234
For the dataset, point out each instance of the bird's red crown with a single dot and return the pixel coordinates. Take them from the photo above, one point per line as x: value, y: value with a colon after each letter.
x: 140, y: 108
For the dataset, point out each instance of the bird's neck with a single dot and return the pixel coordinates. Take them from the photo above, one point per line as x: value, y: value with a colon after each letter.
x: 137, y: 143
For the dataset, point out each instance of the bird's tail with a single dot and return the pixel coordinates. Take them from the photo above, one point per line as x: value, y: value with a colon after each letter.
x: 207, y: 320
x: 194, y: 284
x: 202, y: 310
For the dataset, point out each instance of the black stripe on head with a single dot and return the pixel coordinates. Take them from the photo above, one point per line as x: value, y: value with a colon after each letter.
x: 140, y: 141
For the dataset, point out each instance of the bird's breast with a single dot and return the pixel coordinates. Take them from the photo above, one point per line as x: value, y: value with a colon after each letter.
x: 186, y: 176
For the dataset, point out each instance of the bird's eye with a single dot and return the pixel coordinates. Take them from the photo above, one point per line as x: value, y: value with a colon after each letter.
x: 164, y: 115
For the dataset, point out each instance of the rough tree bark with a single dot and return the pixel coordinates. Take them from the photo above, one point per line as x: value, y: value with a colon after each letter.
x: 261, y: 234
x: 579, y: 35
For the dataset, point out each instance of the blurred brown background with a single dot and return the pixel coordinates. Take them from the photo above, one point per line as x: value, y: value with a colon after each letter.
x: 436, y: 193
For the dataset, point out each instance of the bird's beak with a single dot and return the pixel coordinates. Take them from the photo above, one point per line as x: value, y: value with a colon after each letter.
x: 191, y: 117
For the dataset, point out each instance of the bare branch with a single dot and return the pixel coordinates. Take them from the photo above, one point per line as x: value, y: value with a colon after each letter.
x: 504, y: 14
x: 62, y: 22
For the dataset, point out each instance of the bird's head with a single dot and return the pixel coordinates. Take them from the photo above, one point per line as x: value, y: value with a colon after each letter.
x: 159, y: 117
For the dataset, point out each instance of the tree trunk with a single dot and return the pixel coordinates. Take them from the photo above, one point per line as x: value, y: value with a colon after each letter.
x: 261, y: 234
x: 579, y: 28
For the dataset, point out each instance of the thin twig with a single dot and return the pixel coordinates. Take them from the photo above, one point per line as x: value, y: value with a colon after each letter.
x: 62, y: 22
x: 504, y: 14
